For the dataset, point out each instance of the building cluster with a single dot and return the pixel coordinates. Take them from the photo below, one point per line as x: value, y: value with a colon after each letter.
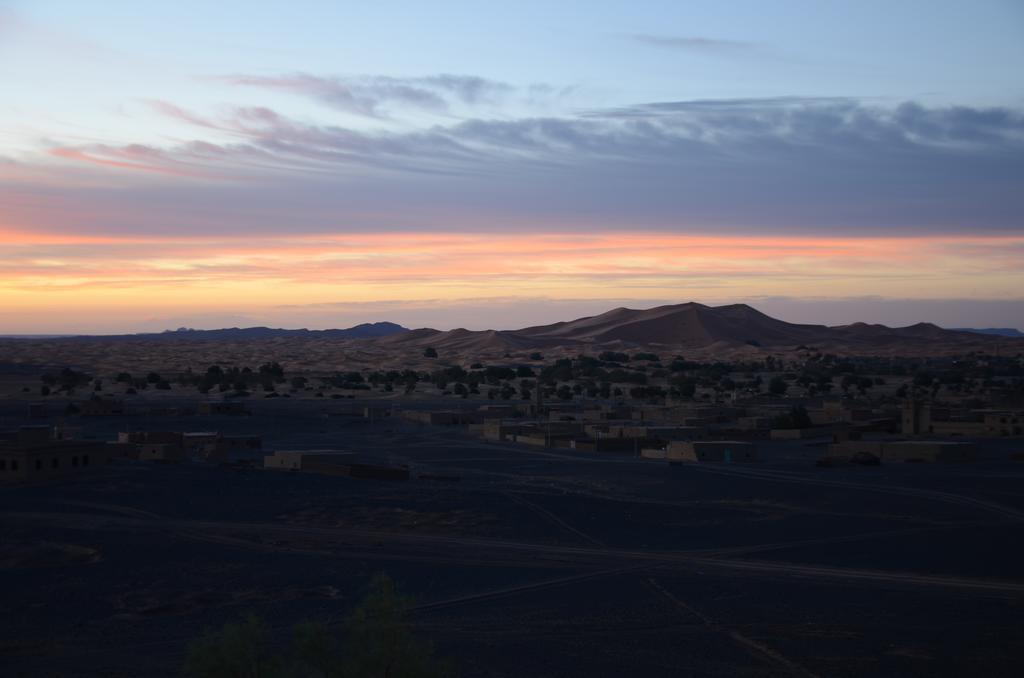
x: 730, y: 433
x: 42, y: 452
x: 922, y: 418
x: 208, y: 446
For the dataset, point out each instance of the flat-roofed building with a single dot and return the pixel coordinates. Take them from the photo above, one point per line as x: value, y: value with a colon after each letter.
x: 1003, y: 423
x: 29, y: 456
x: 152, y: 437
x: 660, y: 432
x: 493, y: 429
x: 444, y: 417
x: 721, y: 451
x: 928, y: 451
x: 223, y: 447
x: 898, y: 451
x: 334, y: 462
x: 801, y: 433
x: 195, y: 441
x: 160, y: 452
x: 624, y: 445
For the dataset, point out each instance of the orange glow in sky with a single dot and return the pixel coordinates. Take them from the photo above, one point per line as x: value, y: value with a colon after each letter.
x: 66, y: 282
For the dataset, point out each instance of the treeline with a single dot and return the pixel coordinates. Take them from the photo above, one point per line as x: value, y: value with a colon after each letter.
x: 609, y: 375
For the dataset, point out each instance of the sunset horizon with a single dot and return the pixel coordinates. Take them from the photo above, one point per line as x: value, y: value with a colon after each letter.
x: 173, y: 181
x: 460, y: 339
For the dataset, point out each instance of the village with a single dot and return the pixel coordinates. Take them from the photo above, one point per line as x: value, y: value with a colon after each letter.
x: 521, y: 497
x: 680, y: 413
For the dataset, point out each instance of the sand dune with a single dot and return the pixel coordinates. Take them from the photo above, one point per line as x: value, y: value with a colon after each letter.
x: 695, y: 330
x: 692, y: 325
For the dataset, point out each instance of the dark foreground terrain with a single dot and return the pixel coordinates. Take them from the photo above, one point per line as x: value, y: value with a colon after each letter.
x: 534, y: 562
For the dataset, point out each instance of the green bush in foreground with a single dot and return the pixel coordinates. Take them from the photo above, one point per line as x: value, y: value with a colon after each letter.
x: 375, y: 642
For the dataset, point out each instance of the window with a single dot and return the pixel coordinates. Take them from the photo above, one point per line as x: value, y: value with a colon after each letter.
x: 74, y: 461
x: 14, y: 464
x: 3, y: 464
x: 39, y: 464
x: 54, y: 462
x: 85, y: 460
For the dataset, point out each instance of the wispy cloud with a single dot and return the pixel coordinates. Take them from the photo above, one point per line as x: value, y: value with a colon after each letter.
x: 133, y: 157
x: 371, y: 96
x: 700, y: 44
x: 785, y: 164
x: 676, y: 131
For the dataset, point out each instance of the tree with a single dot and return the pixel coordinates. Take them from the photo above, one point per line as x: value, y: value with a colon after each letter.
x: 67, y: 379
x: 777, y: 386
x: 236, y: 650
x: 685, y: 387
x: 378, y: 640
x: 651, y: 357
x: 375, y: 642
x: 923, y: 379
x: 797, y: 417
x: 272, y: 371
x: 430, y: 352
x: 613, y: 357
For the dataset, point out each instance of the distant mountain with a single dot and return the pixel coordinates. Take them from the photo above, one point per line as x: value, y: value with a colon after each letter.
x: 998, y: 331
x: 736, y: 327
x: 363, y: 331
x: 694, y: 330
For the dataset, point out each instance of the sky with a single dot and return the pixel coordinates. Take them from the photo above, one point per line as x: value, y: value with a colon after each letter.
x: 497, y: 165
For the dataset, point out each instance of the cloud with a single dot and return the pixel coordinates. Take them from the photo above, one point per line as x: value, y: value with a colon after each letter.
x: 170, y: 110
x: 371, y: 96
x: 133, y: 157
x: 783, y: 165
x: 699, y: 44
